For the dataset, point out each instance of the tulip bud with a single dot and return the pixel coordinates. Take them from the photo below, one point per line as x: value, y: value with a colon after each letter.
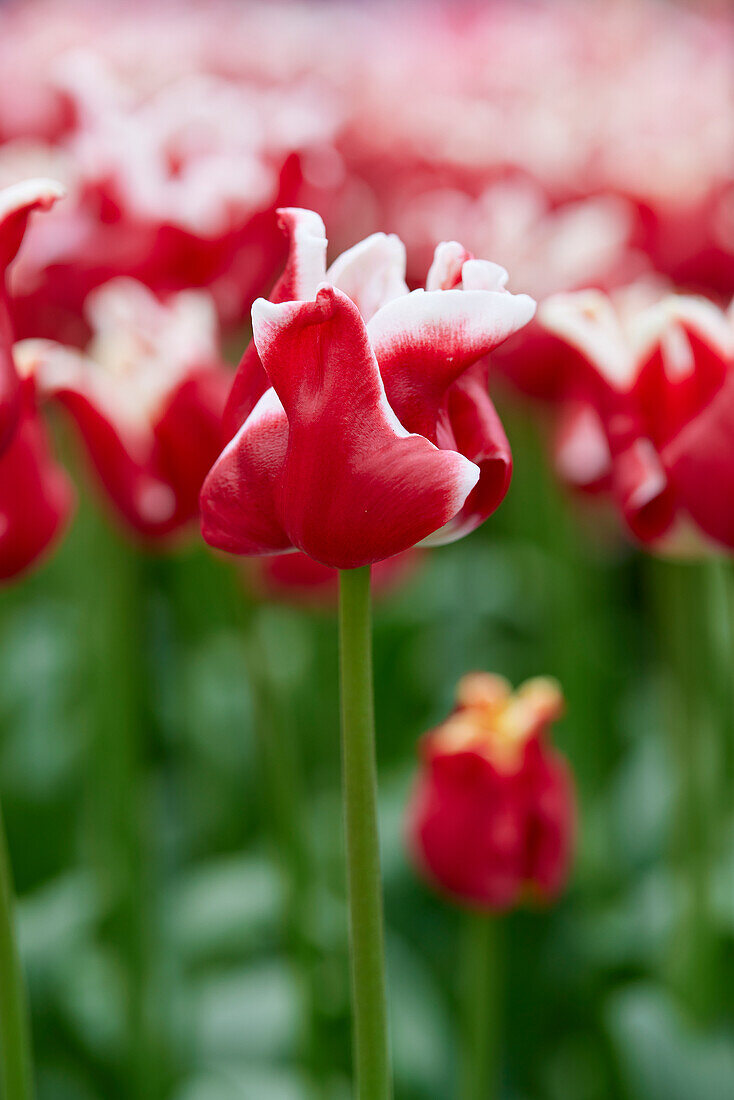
x: 492, y: 815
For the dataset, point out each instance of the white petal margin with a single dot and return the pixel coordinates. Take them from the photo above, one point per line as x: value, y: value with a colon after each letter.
x: 371, y: 273
x: 445, y: 271
x: 483, y: 275
x: 307, y: 258
x: 18, y: 196
x: 588, y: 322
x: 479, y: 319
x: 678, y: 313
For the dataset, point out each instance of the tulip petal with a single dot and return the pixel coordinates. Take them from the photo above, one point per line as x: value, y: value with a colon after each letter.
x: 448, y: 261
x: 36, y: 498
x: 356, y: 486
x: 10, y: 388
x: 582, y: 455
x: 305, y: 269
x: 372, y: 273
x: 643, y: 491
x: 17, y: 203
x: 237, y: 501
x: 700, y: 463
x: 477, y: 433
x: 426, y: 340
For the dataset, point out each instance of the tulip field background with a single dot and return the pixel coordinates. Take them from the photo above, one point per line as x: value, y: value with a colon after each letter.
x: 589, y: 1005
x: 169, y: 734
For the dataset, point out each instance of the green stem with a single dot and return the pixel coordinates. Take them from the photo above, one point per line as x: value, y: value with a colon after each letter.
x: 359, y: 779
x: 15, y: 1047
x: 116, y: 630
x: 480, y: 1045
x: 686, y: 634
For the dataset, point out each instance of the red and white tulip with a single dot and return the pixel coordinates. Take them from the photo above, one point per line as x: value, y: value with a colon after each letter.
x: 647, y: 392
x: 146, y: 396
x: 360, y: 418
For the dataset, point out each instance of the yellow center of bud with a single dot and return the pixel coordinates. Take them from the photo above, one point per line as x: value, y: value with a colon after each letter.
x: 492, y: 719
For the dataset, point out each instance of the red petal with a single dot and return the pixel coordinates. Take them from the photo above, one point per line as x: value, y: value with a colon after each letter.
x: 700, y: 463
x: 188, y: 436
x: 427, y: 339
x: 477, y: 433
x: 642, y: 489
x: 304, y: 270
x: 356, y: 487
x: 146, y: 502
x: 551, y: 822
x: 237, y: 502
x: 17, y: 203
x: 10, y: 389
x: 36, y: 498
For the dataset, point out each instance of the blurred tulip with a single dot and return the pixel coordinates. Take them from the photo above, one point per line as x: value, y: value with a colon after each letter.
x: 17, y: 203
x: 492, y: 815
x: 147, y: 398
x: 36, y: 497
x: 177, y: 189
x: 647, y: 397
x: 324, y: 459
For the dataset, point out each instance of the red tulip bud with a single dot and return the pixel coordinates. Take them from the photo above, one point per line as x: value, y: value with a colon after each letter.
x: 492, y: 815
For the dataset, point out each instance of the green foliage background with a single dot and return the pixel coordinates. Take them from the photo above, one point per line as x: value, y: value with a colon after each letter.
x: 155, y: 692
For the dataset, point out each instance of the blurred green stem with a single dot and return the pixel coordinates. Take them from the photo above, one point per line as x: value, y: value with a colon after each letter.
x: 359, y: 783
x: 480, y: 1020
x: 283, y: 811
x: 15, y: 1046
x: 116, y: 630
x: 688, y: 638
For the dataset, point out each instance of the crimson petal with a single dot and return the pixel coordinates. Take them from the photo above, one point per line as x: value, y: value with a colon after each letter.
x: 426, y: 340
x: 304, y: 271
x: 356, y: 487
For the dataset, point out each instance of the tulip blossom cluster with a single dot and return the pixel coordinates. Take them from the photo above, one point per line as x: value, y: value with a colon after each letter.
x: 569, y: 142
x: 365, y: 425
x: 578, y: 148
x: 491, y: 820
x: 147, y: 397
x: 646, y: 392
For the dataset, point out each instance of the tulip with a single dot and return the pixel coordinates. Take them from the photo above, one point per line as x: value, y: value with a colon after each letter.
x: 491, y: 820
x: 360, y: 425
x: 647, y: 392
x: 364, y: 421
x: 491, y: 824
x: 649, y: 423
x: 34, y: 501
x: 147, y: 398
x: 35, y: 496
